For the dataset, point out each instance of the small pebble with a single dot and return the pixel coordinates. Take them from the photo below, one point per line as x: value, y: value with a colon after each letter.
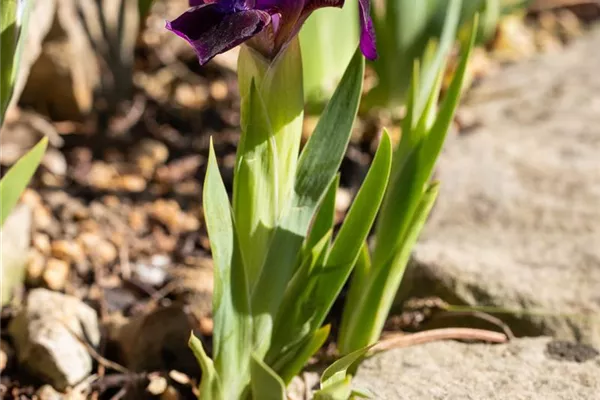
x: 218, y: 90
x: 157, y: 385
x: 138, y: 221
x: 150, y: 274
x: 169, y: 213
x: 41, y: 242
x: 68, y: 250
x: 98, y: 248
x: 179, y: 377
x: 132, y: 183
x: 55, y: 274
x: 35, y: 267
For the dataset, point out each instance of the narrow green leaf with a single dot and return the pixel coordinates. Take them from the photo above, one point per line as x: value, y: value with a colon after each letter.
x: 317, y: 167
x: 293, y: 323
x: 364, y: 317
x: 308, y: 302
x: 255, y: 184
x: 210, y: 385
x: 231, y: 310
x: 26, y: 7
x: 437, y: 135
x: 323, y: 221
x: 431, y: 71
x: 338, y: 371
x: 407, y: 185
x: 349, y: 242
x: 304, y: 353
x: 340, y: 390
x: 8, y: 45
x: 16, y: 179
x: 361, y: 273
x: 266, y: 385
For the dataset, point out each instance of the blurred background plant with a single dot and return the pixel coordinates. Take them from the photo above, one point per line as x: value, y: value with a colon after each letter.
x: 407, y: 30
x: 326, y: 55
x: 421, y: 30
x: 14, y: 18
x: 408, y: 200
x: 113, y: 28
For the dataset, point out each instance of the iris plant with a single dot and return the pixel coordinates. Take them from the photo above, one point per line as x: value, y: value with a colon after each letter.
x: 278, y: 266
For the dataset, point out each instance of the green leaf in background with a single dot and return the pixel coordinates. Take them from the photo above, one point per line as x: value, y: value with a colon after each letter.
x: 16, y: 179
x: 266, y: 385
x: 255, y: 184
x: 231, y: 308
x: 8, y: 47
x: 403, y: 28
x: 412, y: 173
x: 14, y: 17
x: 353, y: 233
x: 210, y: 385
x: 405, y: 209
x: 317, y: 167
x: 363, y: 317
x: 326, y: 56
x: 435, y: 65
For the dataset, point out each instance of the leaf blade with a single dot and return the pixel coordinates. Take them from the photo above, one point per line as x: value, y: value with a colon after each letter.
x: 265, y: 382
x: 231, y: 306
x: 317, y: 167
x: 210, y: 385
x: 16, y: 179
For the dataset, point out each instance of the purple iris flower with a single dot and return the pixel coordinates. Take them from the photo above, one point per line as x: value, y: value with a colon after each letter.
x: 215, y: 26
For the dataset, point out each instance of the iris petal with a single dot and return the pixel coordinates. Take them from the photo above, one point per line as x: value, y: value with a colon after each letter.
x: 212, y: 28
x: 367, y: 32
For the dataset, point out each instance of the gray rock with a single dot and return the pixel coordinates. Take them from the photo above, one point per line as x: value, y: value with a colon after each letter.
x: 517, y: 221
x: 15, y: 238
x: 520, y: 370
x: 43, y: 334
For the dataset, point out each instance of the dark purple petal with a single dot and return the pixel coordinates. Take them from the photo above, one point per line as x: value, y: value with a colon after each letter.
x: 367, y: 32
x: 214, y: 28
